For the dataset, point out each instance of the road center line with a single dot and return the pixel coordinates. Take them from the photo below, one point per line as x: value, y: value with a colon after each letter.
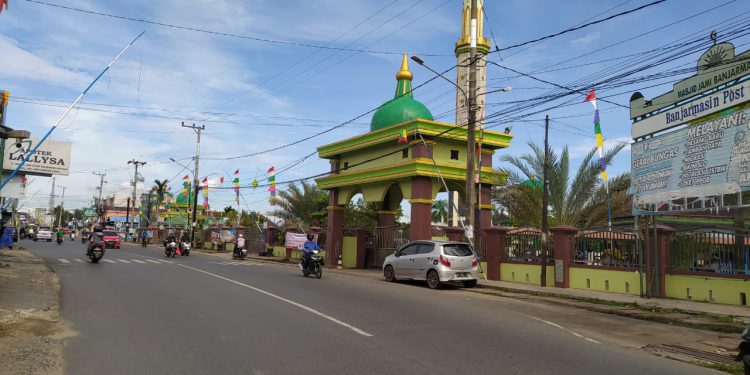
x: 63, y: 260
x: 301, y: 306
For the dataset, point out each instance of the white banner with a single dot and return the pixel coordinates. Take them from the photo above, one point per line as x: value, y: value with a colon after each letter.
x: 15, y: 188
x: 296, y: 240
x: 692, y: 110
x: 51, y: 158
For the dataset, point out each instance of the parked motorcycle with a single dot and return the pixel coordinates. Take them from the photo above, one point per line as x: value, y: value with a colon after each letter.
x: 170, y: 250
x: 97, y: 253
x: 185, y: 249
x: 239, y: 253
x: 743, y: 356
x: 314, y: 265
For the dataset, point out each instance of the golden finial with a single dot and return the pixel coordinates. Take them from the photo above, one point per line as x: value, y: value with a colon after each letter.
x: 404, y: 73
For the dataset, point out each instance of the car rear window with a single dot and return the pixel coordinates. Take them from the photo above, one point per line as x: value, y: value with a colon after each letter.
x: 45, y: 228
x: 457, y: 250
x: 110, y: 234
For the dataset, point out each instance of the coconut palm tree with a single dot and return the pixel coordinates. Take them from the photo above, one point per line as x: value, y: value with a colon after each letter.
x: 440, y: 211
x: 571, y: 202
x: 301, y: 205
x: 160, y: 189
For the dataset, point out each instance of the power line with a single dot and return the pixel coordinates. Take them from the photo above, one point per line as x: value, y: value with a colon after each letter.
x: 220, y: 33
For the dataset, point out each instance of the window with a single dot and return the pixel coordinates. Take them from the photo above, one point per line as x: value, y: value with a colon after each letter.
x: 404, y: 153
x: 457, y: 250
x: 409, y: 250
x: 426, y: 248
x: 454, y: 154
x: 346, y: 165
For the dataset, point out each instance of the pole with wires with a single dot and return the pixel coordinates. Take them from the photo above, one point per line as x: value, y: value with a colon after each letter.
x: 545, y: 203
x: 193, y: 224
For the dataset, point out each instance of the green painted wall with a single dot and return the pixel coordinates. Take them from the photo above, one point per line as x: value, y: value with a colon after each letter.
x: 526, y: 273
x: 279, y: 251
x: 349, y: 252
x: 625, y: 282
x: 707, y: 289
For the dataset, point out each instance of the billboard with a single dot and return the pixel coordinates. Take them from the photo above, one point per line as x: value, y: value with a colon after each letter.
x: 692, y: 168
x: 52, y: 157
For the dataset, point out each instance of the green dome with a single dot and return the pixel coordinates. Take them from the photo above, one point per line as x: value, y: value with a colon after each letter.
x: 399, y: 110
x: 402, y: 107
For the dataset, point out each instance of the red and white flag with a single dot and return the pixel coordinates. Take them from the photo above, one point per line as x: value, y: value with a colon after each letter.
x: 3, y: 2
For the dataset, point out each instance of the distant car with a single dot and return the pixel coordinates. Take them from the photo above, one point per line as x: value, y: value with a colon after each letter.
x: 111, y: 239
x: 44, y: 234
x: 66, y: 230
x: 437, y: 262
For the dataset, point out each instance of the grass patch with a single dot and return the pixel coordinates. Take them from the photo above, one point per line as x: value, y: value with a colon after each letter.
x: 730, y: 369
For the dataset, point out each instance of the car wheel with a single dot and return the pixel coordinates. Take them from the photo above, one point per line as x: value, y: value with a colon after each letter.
x: 469, y: 283
x: 50, y: 240
x: 433, y: 280
x: 390, y: 274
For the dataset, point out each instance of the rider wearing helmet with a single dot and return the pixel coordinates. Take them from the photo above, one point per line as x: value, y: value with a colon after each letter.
x: 307, y: 249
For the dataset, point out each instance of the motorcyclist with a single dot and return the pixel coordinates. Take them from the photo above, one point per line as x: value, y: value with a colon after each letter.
x: 239, y: 245
x: 170, y: 238
x: 97, y: 239
x: 307, y: 249
x: 184, y: 238
x: 60, y: 233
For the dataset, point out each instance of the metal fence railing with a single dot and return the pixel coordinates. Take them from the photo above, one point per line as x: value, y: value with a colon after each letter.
x: 716, y: 250
x: 614, y: 247
x: 525, y: 244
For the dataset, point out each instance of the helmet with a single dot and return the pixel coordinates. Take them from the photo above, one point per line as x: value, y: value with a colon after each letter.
x: 310, y: 236
x: 241, y: 236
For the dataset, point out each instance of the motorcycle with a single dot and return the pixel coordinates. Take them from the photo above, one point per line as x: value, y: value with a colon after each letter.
x: 170, y: 250
x: 185, y: 249
x: 239, y: 253
x: 97, y: 253
x: 743, y: 356
x: 314, y: 265
x: 59, y: 240
x: 83, y: 238
x: 72, y: 236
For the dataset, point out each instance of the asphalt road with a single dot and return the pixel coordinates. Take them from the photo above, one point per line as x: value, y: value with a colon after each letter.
x: 141, y: 313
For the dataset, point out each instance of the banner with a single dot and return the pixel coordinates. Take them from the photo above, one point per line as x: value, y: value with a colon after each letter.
x: 695, y: 165
x: 296, y: 241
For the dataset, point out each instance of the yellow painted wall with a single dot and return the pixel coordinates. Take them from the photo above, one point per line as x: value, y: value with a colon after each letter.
x: 724, y: 290
x: 625, y: 282
x: 526, y: 273
x: 349, y: 252
x: 439, y: 238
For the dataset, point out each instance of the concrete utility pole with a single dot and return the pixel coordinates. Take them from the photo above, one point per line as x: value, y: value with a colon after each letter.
x: 197, y: 130
x: 471, y: 134
x: 62, y: 205
x: 101, y: 187
x: 51, y: 215
x: 136, y: 163
x: 545, y: 197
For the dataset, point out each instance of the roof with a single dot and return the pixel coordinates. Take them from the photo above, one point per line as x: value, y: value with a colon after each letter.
x: 403, y: 107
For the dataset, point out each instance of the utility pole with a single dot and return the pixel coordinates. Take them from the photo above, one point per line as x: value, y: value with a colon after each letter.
x: 136, y: 163
x: 193, y: 224
x: 52, y: 203
x: 471, y: 133
x: 62, y: 205
x: 101, y: 187
x: 545, y: 182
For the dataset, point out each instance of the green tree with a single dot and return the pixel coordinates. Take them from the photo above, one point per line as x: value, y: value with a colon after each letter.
x: 571, y: 202
x: 230, y: 214
x: 301, y: 205
x: 440, y: 211
x: 160, y: 189
x: 361, y: 215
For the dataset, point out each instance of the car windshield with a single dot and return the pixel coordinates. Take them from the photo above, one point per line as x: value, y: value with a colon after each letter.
x: 110, y: 234
x: 458, y: 250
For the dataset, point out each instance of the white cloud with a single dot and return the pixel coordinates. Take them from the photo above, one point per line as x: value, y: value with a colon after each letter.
x: 19, y: 63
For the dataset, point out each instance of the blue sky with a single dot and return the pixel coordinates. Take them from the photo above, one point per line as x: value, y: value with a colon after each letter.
x: 255, y: 95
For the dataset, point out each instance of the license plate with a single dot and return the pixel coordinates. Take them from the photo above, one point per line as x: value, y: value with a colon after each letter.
x: 461, y: 275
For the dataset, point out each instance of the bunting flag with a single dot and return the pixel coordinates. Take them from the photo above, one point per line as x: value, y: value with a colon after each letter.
x: 237, y: 172
x: 186, y: 178
x: 221, y: 180
x: 591, y: 97
x: 185, y: 188
x: 5, y: 3
x: 272, y: 185
x: 237, y: 187
x: 402, y: 137
x: 205, y: 193
x: 254, y: 184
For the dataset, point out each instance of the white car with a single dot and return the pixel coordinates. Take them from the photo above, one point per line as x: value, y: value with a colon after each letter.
x: 44, y: 234
x: 437, y: 262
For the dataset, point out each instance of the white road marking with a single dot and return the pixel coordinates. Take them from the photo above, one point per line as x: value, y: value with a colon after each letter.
x: 301, y: 306
x: 138, y: 261
x: 63, y: 260
x: 109, y: 261
x: 576, y: 334
x: 123, y: 261
x: 78, y: 260
x: 165, y: 261
x: 152, y: 261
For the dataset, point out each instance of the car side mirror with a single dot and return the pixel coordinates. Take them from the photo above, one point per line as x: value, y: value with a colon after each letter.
x: 396, y: 254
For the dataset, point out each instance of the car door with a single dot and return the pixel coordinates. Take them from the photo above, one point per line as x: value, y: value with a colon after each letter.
x: 403, y: 264
x: 423, y: 260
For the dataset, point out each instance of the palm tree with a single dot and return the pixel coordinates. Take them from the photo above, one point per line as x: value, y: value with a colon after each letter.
x: 572, y: 202
x: 440, y: 211
x: 304, y: 204
x: 160, y: 188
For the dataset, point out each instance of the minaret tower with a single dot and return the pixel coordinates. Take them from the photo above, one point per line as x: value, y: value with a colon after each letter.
x: 462, y: 53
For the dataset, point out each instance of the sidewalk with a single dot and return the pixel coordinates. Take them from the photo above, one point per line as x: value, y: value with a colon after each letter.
x: 30, y: 334
x: 693, y: 314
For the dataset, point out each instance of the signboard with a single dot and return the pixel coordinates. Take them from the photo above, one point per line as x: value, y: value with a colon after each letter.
x: 693, y: 167
x: 559, y: 271
x: 51, y: 158
x: 15, y: 188
x: 692, y: 110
